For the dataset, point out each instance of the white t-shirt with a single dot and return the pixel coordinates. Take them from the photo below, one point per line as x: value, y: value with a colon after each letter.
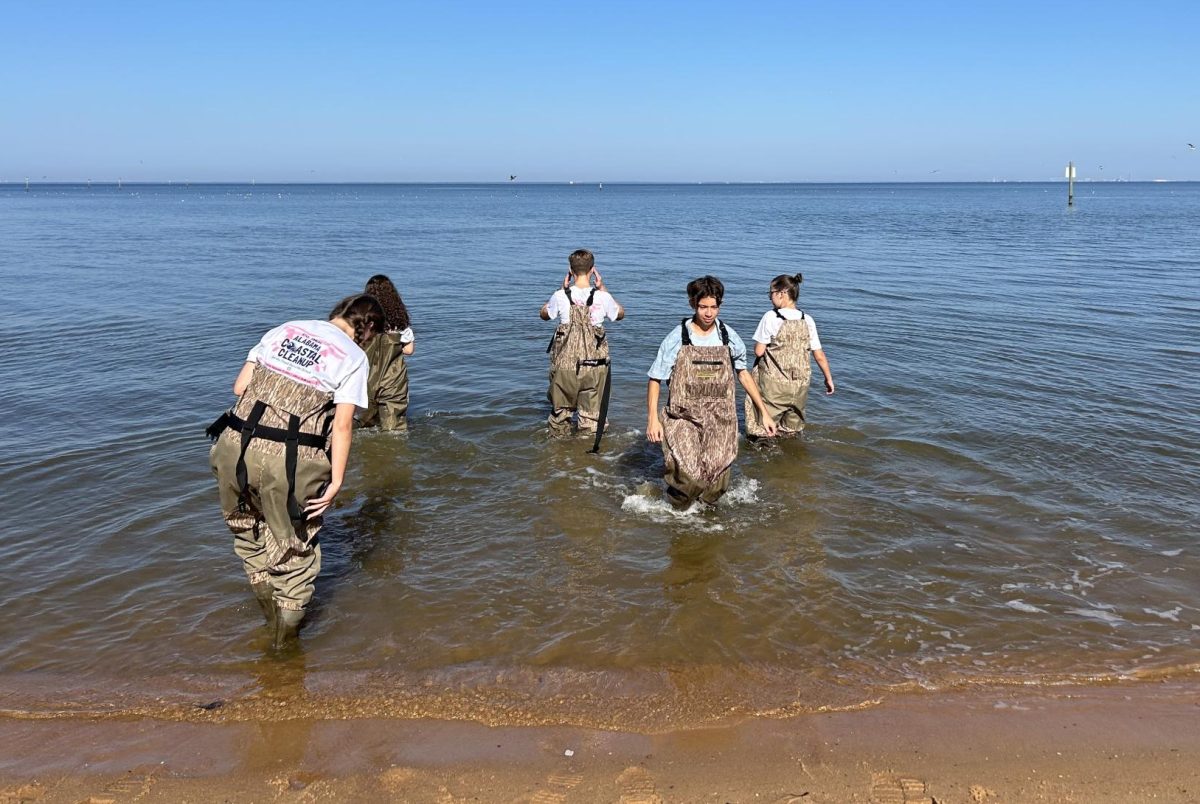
x: 770, y: 325
x: 406, y: 334
x: 603, y: 305
x: 317, y: 354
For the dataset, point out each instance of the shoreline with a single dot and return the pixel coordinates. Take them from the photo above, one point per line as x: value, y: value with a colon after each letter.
x: 1112, y: 743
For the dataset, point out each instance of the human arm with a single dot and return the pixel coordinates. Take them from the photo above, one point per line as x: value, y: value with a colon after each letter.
x: 760, y: 349
x: 408, y: 348
x: 654, y: 430
x: 339, y: 454
x: 620, y: 313
x: 748, y: 383
x: 243, y: 378
x: 819, y: 356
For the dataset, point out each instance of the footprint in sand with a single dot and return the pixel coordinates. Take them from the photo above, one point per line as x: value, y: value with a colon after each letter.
x: 130, y: 787
x: 555, y: 788
x: 26, y: 794
x: 637, y: 787
x: 888, y: 789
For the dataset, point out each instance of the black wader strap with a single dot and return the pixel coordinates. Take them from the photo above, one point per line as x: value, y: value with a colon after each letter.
x: 215, y: 429
x: 685, y: 338
x: 725, y: 343
x: 779, y: 313
x: 603, y: 409
x: 248, y: 427
x: 591, y: 296
x: 291, y: 449
x: 550, y: 345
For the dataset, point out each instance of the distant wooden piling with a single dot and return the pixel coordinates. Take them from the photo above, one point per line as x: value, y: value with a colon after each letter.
x: 1070, y: 184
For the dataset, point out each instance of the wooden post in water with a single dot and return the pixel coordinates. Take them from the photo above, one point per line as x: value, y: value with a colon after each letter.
x: 1070, y: 184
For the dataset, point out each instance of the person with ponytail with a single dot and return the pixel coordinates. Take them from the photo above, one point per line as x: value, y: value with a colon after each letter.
x: 786, y: 342
x: 387, y: 382
x: 281, y: 451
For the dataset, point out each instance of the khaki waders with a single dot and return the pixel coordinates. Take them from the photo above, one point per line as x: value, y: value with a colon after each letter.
x: 579, y: 366
x: 700, y: 434
x: 269, y: 457
x: 783, y: 375
x: 387, y: 384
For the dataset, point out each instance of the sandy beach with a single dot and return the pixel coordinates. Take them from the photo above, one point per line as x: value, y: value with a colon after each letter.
x: 1135, y: 742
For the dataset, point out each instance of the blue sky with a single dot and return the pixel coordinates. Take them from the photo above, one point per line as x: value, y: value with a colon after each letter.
x: 613, y: 91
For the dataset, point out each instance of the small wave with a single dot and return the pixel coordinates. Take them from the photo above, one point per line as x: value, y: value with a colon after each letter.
x: 1021, y: 605
x: 1098, y: 614
x: 1170, y: 614
x: 648, y: 500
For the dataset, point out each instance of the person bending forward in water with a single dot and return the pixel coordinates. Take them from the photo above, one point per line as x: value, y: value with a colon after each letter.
x: 785, y: 343
x: 387, y: 381
x: 698, y: 428
x: 280, y: 453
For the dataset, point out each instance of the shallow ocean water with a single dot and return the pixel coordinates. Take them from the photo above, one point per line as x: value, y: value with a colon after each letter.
x: 1002, y: 491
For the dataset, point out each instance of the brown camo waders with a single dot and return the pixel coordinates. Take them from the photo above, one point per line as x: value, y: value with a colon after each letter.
x: 387, y: 384
x: 579, y: 366
x: 783, y: 375
x: 263, y: 481
x: 700, y: 433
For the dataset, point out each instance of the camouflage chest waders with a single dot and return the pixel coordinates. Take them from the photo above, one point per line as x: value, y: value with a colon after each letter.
x: 783, y: 375
x: 579, y: 370
x: 269, y: 457
x: 387, y: 384
x: 700, y: 434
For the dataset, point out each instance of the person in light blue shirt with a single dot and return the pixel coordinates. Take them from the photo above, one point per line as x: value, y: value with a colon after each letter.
x: 698, y: 427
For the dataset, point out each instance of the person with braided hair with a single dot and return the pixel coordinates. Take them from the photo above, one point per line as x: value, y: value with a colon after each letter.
x: 387, y: 382
x: 280, y: 452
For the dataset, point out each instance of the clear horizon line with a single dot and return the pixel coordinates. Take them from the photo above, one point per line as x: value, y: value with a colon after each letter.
x: 567, y: 183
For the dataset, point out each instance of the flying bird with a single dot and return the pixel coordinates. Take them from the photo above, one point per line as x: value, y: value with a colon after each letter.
x: 512, y: 177
x: 1192, y: 147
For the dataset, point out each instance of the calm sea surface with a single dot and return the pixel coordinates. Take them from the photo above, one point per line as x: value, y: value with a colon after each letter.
x: 1003, y: 491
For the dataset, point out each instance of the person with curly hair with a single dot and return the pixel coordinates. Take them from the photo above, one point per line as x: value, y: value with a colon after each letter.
x: 387, y: 383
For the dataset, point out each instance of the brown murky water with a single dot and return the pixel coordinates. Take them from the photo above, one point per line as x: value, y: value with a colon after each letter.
x: 1002, y: 491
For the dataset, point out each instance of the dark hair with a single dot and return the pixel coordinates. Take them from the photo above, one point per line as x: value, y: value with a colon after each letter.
x: 704, y: 287
x: 394, y: 310
x: 582, y: 261
x: 364, y: 313
x: 789, y: 284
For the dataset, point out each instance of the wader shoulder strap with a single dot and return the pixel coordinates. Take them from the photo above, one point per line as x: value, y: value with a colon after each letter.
x: 603, y: 410
x: 776, y: 309
x: 725, y: 343
x: 685, y: 338
x: 591, y: 296
x: 290, y: 454
x: 248, y: 427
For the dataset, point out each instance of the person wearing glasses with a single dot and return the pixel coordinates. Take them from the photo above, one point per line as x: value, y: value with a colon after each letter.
x: 786, y: 342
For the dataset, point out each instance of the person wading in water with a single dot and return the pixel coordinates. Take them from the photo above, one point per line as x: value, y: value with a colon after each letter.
x: 280, y: 453
x: 786, y: 343
x: 580, y: 367
x: 698, y: 428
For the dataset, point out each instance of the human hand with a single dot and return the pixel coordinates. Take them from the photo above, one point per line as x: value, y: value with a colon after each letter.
x: 566, y: 283
x: 768, y: 424
x: 599, y: 279
x: 654, y: 431
x: 317, y: 505
x: 829, y: 386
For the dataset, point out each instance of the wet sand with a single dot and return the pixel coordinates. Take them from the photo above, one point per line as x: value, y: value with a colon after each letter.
x: 1123, y: 743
